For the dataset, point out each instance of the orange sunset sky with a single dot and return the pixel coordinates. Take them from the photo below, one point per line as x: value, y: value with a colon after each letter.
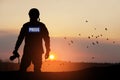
x: 65, y: 18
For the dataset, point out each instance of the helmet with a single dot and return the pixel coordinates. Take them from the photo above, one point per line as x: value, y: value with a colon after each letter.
x: 34, y: 13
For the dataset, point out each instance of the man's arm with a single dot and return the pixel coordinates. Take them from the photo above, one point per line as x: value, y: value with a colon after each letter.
x: 20, y: 39
x: 47, y: 41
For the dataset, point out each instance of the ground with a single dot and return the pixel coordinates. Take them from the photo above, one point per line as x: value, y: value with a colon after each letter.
x: 93, y: 73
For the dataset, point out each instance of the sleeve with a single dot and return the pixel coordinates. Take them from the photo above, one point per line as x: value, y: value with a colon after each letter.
x: 20, y: 38
x: 46, y: 39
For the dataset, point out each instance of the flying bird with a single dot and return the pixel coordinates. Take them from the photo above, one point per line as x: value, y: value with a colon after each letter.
x: 86, y: 21
x: 93, y: 43
x: 69, y: 44
x: 101, y: 35
x: 107, y: 39
x: 88, y: 37
x: 106, y: 29
x: 97, y: 42
x: 113, y: 42
x: 65, y: 38
x: 93, y: 57
x: 94, y: 28
x: 72, y: 41
x: 87, y: 47
x: 92, y: 35
x: 96, y: 37
x: 79, y: 34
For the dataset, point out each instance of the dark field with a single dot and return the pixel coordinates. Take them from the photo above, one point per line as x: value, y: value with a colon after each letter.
x: 100, y: 72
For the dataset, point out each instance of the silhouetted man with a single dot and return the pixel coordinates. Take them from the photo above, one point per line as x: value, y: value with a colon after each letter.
x: 34, y: 32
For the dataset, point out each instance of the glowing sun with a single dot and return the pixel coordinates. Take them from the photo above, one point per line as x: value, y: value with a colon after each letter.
x: 51, y: 57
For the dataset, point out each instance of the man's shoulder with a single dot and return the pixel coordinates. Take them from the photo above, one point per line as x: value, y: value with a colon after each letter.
x: 41, y: 23
x: 26, y: 24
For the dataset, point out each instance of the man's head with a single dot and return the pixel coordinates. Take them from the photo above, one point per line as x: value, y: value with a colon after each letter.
x: 34, y: 14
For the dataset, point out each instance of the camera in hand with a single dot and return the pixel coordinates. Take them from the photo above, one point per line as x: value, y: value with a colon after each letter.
x: 14, y: 56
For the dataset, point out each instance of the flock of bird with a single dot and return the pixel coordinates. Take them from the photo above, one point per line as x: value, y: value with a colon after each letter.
x: 95, y: 37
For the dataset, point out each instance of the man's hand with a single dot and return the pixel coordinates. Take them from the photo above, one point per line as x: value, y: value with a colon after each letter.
x: 46, y: 55
x: 16, y: 53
